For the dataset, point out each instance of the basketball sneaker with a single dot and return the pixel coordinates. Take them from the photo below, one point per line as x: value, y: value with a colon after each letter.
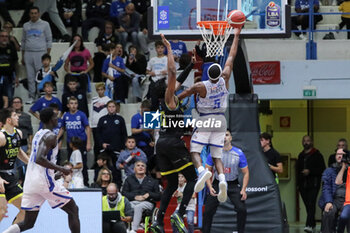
x: 178, y: 222
x: 156, y: 228
x: 202, y: 178
x: 222, y: 196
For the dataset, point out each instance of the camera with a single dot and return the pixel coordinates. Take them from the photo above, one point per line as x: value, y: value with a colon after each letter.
x: 346, y: 157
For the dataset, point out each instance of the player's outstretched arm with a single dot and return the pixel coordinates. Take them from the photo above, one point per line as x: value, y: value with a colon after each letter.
x: 196, y: 88
x: 231, y: 57
x: 46, y: 144
x: 169, y: 93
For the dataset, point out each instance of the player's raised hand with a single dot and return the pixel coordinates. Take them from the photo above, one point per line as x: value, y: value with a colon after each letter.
x: 165, y: 41
x: 2, y: 185
x: 237, y: 31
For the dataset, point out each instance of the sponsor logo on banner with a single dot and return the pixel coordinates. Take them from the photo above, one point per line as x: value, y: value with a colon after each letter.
x: 266, y: 72
x: 256, y: 189
x: 273, y: 15
x: 163, y: 17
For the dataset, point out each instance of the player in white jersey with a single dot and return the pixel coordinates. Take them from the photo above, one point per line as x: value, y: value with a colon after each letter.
x: 211, y: 105
x: 40, y: 184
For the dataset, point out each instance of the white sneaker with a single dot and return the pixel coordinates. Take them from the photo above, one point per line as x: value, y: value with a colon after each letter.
x: 30, y: 100
x: 202, y: 178
x: 308, y: 229
x: 222, y: 196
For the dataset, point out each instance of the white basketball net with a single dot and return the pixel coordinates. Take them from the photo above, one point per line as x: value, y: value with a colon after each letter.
x: 215, y: 43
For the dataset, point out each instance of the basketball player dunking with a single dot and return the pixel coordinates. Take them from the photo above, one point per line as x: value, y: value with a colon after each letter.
x: 211, y: 104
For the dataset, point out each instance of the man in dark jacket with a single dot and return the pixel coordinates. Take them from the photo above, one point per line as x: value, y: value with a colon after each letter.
x: 333, y: 195
x: 310, y: 166
x: 142, y: 192
x: 112, y: 134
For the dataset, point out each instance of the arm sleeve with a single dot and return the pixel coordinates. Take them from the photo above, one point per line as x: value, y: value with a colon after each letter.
x: 84, y: 119
x: 134, y: 122
x: 120, y: 159
x: 127, y: 192
x: 48, y: 36
x: 184, y: 74
x: 36, y: 106
x: 327, y: 187
x: 154, y: 195
x: 242, y: 160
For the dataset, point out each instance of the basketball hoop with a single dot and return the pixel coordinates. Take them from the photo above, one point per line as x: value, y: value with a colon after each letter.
x: 215, y: 35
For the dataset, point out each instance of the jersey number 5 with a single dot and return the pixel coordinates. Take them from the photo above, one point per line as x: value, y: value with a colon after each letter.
x: 216, y: 103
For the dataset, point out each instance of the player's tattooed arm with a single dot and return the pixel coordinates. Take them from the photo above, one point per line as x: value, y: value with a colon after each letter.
x: 47, y: 143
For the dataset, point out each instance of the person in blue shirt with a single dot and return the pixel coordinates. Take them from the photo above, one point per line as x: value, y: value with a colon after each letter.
x: 45, y: 101
x: 114, y: 71
x: 178, y: 47
x: 233, y: 160
x: 75, y: 123
x: 117, y: 8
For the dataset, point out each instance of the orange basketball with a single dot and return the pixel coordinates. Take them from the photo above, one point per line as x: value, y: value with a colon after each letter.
x: 236, y: 18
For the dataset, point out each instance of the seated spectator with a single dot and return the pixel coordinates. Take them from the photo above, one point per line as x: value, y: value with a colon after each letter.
x: 179, y: 48
x: 70, y: 181
x: 342, y: 144
x: 112, y: 135
x: 117, y: 8
x: 76, y: 123
x: 104, y: 178
x: 45, y: 70
x: 103, y: 161
x: 99, y: 109
x: 129, y: 156
x: 332, y: 197
x: 79, y: 63
x: 13, y: 40
x: 191, y: 207
x: 142, y: 191
x: 157, y: 69
x: 137, y: 63
x: 77, y: 162
x: 45, y: 101
x: 97, y: 12
x: 104, y: 38
x: 129, y: 23
x: 144, y: 139
x: 142, y: 36
x: 113, y: 69
x: 70, y: 13
x: 114, y: 201
x: 302, y: 6
x: 80, y: 95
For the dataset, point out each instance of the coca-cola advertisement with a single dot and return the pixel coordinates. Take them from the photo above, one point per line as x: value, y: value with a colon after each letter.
x: 265, y: 72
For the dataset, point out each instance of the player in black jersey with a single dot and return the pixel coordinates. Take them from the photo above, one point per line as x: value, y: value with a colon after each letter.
x: 10, y: 138
x: 172, y: 154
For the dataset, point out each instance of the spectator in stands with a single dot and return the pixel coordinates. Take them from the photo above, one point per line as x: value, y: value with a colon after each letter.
x: 36, y: 41
x: 8, y: 63
x: 112, y: 134
x: 45, y: 101
x: 179, y: 48
x: 70, y: 13
x: 76, y: 123
x: 302, y: 6
x: 113, y: 70
x: 117, y: 8
x: 114, y: 201
x: 129, y: 156
x: 342, y: 144
x: 80, y: 95
x: 77, y: 162
x: 71, y: 181
x: 99, y: 109
x: 104, y: 161
x: 129, y: 23
x: 5, y: 13
x: 105, y: 37
x: 157, y: 69
x: 144, y: 139
x: 345, y: 19
x: 191, y: 207
x: 45, y: 70
x: 273, y: 157
x: 79, y: 63
x: 97, y: 12
x: 137, y: 63
x: 104, y: 178
x: 13, y: 40
x: 332, y: 197
x: 25, y: 125
x: 50, y: 6
x: 143, y: 36
x: 142, y: 191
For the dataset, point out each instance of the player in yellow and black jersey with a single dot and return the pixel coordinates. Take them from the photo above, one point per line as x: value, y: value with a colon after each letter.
x: 10, y: 142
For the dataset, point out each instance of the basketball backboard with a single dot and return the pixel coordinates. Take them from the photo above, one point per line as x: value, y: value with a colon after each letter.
x: 177, y: 19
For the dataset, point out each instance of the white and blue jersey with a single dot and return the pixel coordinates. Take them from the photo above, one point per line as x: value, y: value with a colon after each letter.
x: 233, y: 160
x: 37, y: 176
x: 42, y: 103
x: 75, y: 125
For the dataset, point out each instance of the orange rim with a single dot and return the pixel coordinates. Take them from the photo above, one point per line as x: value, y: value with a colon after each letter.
x: 218, y: 26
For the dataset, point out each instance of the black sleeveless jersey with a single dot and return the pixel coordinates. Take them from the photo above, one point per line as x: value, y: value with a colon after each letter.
x: 9, y: 152
x: 172, y: 121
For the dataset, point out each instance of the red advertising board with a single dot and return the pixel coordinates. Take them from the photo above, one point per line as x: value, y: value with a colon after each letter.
x: 265, y: 72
